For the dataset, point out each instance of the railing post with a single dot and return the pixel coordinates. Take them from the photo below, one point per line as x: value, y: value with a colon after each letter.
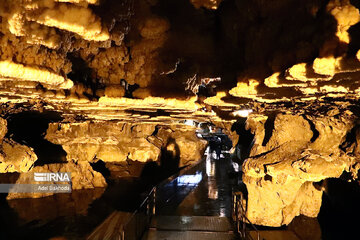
x: 237, y: 214
x: 122, y: 234
x: 154, y: 201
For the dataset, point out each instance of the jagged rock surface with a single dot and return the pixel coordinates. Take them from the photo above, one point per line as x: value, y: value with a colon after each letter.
x: 120, y: 142
x: 288, y: 161
x: 14, y: 157
x: 82, y: 177
x: 105, y: 141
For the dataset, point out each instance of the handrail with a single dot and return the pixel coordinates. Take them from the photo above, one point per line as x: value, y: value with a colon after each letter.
x: 149, y: 201
x: 238, y: 203
x: 145, y: 201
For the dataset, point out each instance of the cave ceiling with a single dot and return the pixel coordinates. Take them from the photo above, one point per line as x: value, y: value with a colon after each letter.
x: 137, y: 60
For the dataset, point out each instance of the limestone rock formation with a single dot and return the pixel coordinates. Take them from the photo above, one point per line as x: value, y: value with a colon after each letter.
x: 210, y: 4
x: 82, y: 177
x: 14, y: 157
x: 3, y: 128
x: 108, y: 142
x: 289, y: 159
x: 120, y: 142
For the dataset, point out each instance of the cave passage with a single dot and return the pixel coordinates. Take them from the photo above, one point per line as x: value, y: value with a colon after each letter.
x: 113, y: 91
x: 29, y: 128
x: 340, y: 205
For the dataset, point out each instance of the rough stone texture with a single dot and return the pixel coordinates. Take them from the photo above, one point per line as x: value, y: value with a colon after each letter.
x: 280, y: 175
x: 110, y: 142
x: 269, y: 139
x: 119, y: 142
x: 3, y: 128
x: 191, y: 148
x: 15, y: 157
x: 40, y: 45
x: 306, y: 228
x: 82, y: 177
x: 125, y: 169
x: 210, y: 4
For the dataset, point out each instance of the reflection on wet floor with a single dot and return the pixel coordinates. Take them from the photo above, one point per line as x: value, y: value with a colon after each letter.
x: 71, y: 216
x: 204, y: 190
x: 52, y: 207
x: 196, y: 204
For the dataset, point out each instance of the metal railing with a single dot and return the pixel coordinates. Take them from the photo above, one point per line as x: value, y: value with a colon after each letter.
x: 133, y: 225
x: 240, y: 218
x: 140, y: 220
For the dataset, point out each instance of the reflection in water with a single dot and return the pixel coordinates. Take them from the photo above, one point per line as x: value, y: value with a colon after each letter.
x: 210, y: 197
x: 58, y: 205
x: 212, y: 193
x: 236, y: 166
x: 185, y: 219
x: 189, y: 180
x: 210, y: 165
x: 210, y: 172
x: 204, y: 190
x: 71, y: 216
x: 222, y: 212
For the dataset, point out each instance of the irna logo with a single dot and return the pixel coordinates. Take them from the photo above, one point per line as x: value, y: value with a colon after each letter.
x: 52, y: 177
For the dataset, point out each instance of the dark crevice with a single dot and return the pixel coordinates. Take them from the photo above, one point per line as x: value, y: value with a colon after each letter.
x: 269, y: 128
x: 267, y: 177
x: 264, y: 153
x: 29, y: 128
x: 81, y: 73
x: 100, y: 167
x: 168, y: 164
x: 350, y: 138
x: 339, y: 204
x: 313, y: 129
x: 246, y: 138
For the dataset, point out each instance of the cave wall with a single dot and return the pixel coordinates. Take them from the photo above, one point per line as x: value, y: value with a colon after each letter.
x: 290, y: 157
x: 125, y: 148
x: 116, y: 142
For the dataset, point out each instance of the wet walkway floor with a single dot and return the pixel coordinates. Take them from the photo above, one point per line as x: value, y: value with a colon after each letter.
x: 204, y: 190
x: 195, y: 205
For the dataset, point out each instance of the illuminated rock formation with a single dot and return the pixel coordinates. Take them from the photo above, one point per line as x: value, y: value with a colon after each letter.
x: 107, y: 142
x: 14, y: 157
x: 120, y: 142
x: 82, y: 177
x: 124, y: 76
x: 211, y: 4
x: 288, y: 162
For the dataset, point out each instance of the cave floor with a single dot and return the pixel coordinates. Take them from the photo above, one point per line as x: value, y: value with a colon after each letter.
x: 204, y: 190
x: 190, y: 227
x: 195, y: 205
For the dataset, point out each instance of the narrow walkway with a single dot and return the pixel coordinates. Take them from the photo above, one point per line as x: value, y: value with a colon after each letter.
x: 185, y: 227
x: 204, y: 190
x: 195, y: 205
